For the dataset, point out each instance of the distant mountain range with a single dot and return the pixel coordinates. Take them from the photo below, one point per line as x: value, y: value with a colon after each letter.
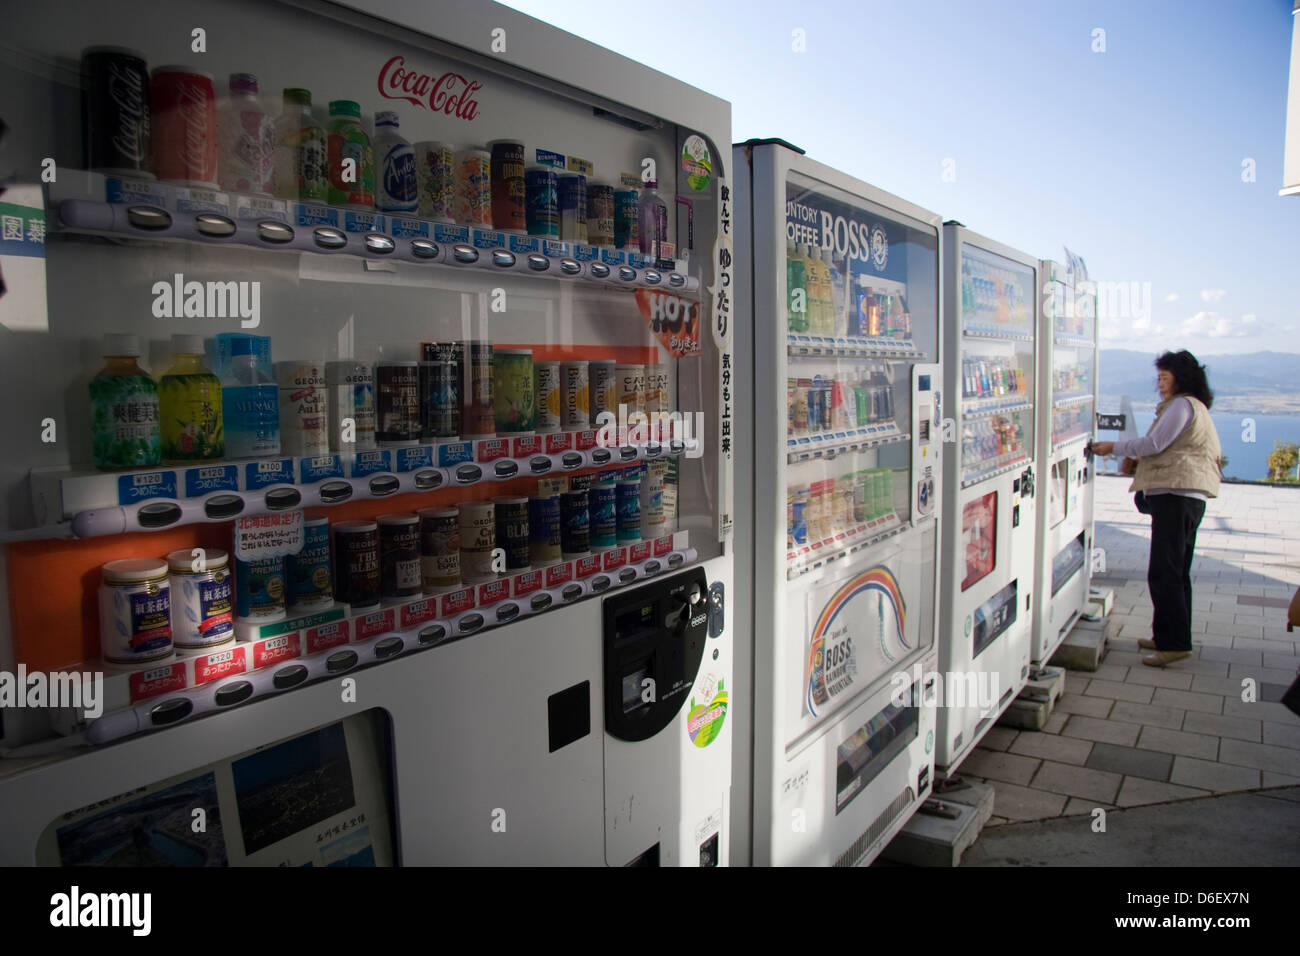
x: 1259, y: 382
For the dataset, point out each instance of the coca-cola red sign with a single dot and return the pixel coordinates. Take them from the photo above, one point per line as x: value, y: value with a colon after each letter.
x: 449, y: 93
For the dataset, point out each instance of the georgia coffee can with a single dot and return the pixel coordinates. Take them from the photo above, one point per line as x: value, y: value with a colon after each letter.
x: 184, y: 128
x: 508, y: 185
x: 575, y: 524
x: 439, y: 400
x: 603, y: 499
x: 397, y: 403
x: 478, y: 524
x: 541, y: 191
x: 116, y: 113
x: 453, y: 353
x: 400, y: 570
x: 544, y: 540
x: 512, y: 531
x: 629, y: 510
x: 356, y: 563
x: 439, y: 548
x: 478, y: 412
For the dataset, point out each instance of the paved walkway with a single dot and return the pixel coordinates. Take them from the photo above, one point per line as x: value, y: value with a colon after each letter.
x: 1128, y: 735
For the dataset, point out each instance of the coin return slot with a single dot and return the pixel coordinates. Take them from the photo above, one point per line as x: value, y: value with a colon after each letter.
x: 654, y: 450
x: 539, y: 464
x: 424, y: 249
x: 428, y: 480
x: 627, y: 452
x: 341, y: 661
x: 388, y: 647
x: 170, y: 711
x: 290, y: 676
x: 334, y: 491
x: 379, y: 244
x: 676, y: 279
x: 431, y: 634
x: 382, y: 485
x: 508, y: 612
x: 328, y: 238
x: 148, y: 217
x: 268, y: 230
x: 471, y: 622
x: 466, y: 474
x: 210, y: 224
x: 235, y: 693
x: 281, y: 499
x: 540, y: 602
x: 220, y: 507
x: 158, y: 515
x: 677, y: 446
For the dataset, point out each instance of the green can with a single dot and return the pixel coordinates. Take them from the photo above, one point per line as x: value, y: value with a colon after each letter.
x: 513, y: 395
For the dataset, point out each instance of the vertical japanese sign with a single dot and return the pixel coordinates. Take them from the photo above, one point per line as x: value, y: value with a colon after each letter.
x: 723, y: 296
x: 22, y: 259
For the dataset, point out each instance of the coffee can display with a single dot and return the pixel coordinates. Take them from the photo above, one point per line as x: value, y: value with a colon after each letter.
x: 512, y: 531
x: 311, y: 583
x: 478, y: 522
x: 575, y: 524
x: 304, y: 409
x: 350, y: 387
x: 512, y: 391
x: 397, y: 403
x: 115, y: 102
x: 653, y: 521
x: 627, y: 214
x: 135, y: 624
x: 507, y: 158
x: 601, y: 388
x: 439, y: 548
x: 453, y: 352
x: 201, y: 607
x: 629, y: 388
x: 629, y: 511
x: 575, y: 401
x: 472, y: 205
x: 400, y: 569
x: 435, y: 180
x: 656, y: 398
x: 541, y: 200
x: 259, y: 589
x: 183, y: 128
x: 478, y: 412
x: 573, y: 207
x: 356, y: 563
x: 603, y: 504
x: 545, y: 543
x: 600, y: 214
x: 548, y: 397
x: 439, y: 400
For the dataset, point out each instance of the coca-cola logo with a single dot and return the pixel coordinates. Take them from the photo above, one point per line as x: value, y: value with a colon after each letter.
x: 195, y: 105
x: 127, y: 92
x: 449, y: 93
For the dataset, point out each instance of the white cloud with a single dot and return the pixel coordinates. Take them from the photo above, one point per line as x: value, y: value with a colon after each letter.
x: 1212, y: 295
x: 1217, y: 326
x: 1172, y: 297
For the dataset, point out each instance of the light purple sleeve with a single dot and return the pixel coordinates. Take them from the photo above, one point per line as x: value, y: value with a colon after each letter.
x: 1163, y: 433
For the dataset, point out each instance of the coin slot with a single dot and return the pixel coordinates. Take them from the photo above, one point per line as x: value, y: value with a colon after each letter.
x: 570, y: 267
x: 463, y: 253
x: 675, y: 560
x: 428, y: 480
x: 538, y: 263
x: 508, y: 611
x: 601, y: 456
x: 627, y: 452
x: 676, y: 279
x: 571, y: 459
x: 468, y: 474
x: 431, y: 635
x: 652, y: 277
x: 539, y: 464
x: 599, y: 270
x: 627, y: 273
x: 506, y: 468
x: 571, y: 592
x: 502, y: 258
x: 652, y: 567
x: 627, y: 574
x: 600, y: 582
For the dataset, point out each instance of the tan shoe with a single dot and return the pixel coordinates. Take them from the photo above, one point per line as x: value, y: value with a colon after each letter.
x: 1147, y: 644
x: 1161, y: 658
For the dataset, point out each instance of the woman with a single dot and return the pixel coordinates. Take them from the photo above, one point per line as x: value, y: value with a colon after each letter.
x: 1176, y: 470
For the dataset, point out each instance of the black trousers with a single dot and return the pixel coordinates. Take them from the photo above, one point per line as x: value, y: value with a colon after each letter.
x: 1174, y: 520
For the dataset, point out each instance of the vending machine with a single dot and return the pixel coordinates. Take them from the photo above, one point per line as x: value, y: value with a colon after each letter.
x: 1067, y: 354
x: 837, y: 509
x: 991, y: 313
x: 367, y: 482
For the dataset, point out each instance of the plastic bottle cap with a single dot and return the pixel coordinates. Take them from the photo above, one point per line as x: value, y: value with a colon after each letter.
x: 183, y: 560
x: 243, y: 83
x: 187, y: 345
x: 652, y: 184
x: 118, y: 343
x: 297, y: 95
x: 345, y: 108
x: 243, y: 345
x: 386, y: 118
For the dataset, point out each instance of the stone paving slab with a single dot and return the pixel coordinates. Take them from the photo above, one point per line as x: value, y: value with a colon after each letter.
x: 1102, y: 731
x: 1130, y: 761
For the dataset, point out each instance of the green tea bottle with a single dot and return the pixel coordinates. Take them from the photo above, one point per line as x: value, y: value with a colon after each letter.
x: 190, y: 402
x: 124, y: 408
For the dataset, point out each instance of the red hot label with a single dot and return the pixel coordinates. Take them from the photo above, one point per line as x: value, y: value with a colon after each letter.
x: 586, y: 567
x: 157, y: 680
x: 663, y: 545
x: 493, y: 591
x: 275, y: 649
x: 559, y: 441
x: 585, y: 440
x: 457, y: 601
x: 492, y: 449
x: 219, y: 664
x: 526, y: 445
x: 639, y: 552
x: 527, y: 583
x: 418, y: 612
x: 615, y: 558
x: 450, y: 93
x: 327, y: 636
x: 373, y: 624
x: 558, y: 574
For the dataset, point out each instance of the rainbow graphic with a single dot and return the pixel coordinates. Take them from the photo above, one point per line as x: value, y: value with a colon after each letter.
x: 878, y: 579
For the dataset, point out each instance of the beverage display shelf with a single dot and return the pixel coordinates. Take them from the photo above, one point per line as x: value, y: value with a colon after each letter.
x: 801, y: 344
x: 809, y: 557
x: 997, y: 334
x: 1061, y: 442
x: 1074, y: 341
x: 1074, y: 398
x: 982, y: 471
x: 445, y: 245
x: 302, y: 650
x: 831, y: 443
x: 977, y: 409
x: 99, y: 503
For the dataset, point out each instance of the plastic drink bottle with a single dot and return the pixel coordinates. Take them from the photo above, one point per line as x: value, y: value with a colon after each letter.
x: 246, y: 139
x: 300, y: 151
x: 250, y: 404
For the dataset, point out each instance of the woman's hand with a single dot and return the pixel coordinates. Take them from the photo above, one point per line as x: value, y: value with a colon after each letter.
x: 1103, y: 448
x: 1128, y: 466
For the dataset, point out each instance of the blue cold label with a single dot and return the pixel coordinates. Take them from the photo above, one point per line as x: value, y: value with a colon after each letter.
x: 318, y: 469
x: 371, y: 462
x: 455, y: 453
x: 152, y: 484
x: 362, y: 221
x: 485, y: 239
x: 209, y: 478
x: 612, y: 257
x: 525, y: 244
x: 263, y: 474
x: 446, y: 232
x: 402, y: 228
x: 251, y: 417
x: 555, y: 248
x: 315, y: 214
x: 408, y: 459
x: 585, y: 253
x: 135, y: 191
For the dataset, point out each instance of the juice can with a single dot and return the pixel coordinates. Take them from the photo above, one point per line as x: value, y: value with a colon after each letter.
x: 575, y: 524
x: 356, y: 563
x: 311, y: 585
x: 541, y: 200
x: 400, y: 569
x: 507, y: 177
x: 629, y: 510
x: 573, y: 207
x: 603, y: 508
x: 397, y: 403
x: 201, y: 607
x: 259, y: 589
x: 575, y: 402
x: 548, y: 396
x: 473, y: 201
x: 600, y: 214
x: 435, y: 176
x: 439, y: 548
x: 512, y: 531
x: 477, y: 540
x: 512, y: 390
x: 544, y: 539
x: 135, y: 611
x: 183, y: 105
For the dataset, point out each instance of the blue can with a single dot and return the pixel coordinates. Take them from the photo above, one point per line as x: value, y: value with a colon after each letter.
x: 544, y: 539
x: 259, y: 589
x: 629, y: 511
x: 604, y: 515
x: 541, y: 202
x: 311, y: 583
x: 575, y: 524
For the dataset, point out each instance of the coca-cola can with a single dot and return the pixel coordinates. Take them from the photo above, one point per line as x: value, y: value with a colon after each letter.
x: 115, y: 106
x: 184, y: 127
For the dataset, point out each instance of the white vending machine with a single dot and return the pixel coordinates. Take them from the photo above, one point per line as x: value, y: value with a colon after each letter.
x: 1067, y: 354
x: 837, y: 509
x: 991, y: 312
x: 369, y: 443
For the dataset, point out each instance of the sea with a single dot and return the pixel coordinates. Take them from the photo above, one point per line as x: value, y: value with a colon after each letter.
x: 1247, y: 448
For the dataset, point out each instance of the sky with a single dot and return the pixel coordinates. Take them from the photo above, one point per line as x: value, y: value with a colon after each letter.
x: 1133, y: 146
